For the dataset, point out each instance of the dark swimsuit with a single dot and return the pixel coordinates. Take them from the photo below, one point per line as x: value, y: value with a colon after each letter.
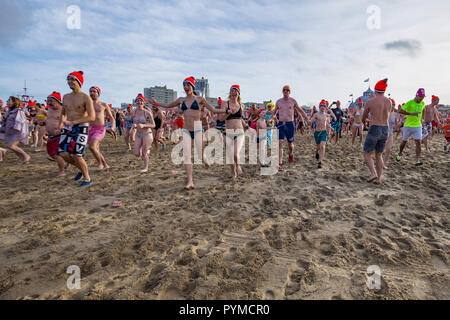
x: 231, y: 116
x: 194, y: 106
x: 158, y: 123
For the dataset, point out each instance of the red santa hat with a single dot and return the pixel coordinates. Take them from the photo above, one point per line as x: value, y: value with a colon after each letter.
x: 191, y: 81
x: 236, y: 87
x: 77, y: 76
x: 381, y: 86
x: 141, y: 97
x: 55, y: 95
x: 97, y: 88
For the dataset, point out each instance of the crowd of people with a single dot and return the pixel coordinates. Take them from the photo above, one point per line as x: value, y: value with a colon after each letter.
x: 78, y: 121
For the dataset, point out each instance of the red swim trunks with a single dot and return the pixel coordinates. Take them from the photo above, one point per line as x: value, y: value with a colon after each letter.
x: 179, y: 123
x: 52, y: 146
x: 434, y: 124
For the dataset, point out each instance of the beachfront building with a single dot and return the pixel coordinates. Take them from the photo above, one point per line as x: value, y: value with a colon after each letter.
x: 202, y: 87
x: 161, y: 94
x: 365, y: 97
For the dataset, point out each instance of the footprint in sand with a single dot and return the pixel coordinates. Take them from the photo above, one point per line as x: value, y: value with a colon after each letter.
x: 269, y: 295
x: 438, y: 260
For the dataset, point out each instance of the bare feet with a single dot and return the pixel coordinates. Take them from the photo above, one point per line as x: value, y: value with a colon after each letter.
x: 239, y: 170
x: 190, y: 186
x: 379, y: 182
x: 61, y: 174
x: 385, y: 168
x: 26, y: 160
x: 372, y: 179
x: 144, y: 170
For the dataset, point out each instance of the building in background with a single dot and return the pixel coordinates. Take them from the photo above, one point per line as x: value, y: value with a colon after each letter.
x: 365, y: 97
x: 161, y: 94
x: 202, y: 87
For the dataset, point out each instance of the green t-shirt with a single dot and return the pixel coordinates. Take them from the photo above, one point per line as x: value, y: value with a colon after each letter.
x: 412, y: 107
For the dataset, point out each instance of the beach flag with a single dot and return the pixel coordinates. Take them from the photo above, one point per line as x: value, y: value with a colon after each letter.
x: 367, y: 80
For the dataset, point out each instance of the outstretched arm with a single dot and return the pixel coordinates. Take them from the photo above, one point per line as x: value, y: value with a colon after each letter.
x: 210, y: 107
x: 172, y: 104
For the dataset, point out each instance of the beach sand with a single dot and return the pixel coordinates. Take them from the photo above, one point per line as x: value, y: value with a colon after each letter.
x: 301, y: 234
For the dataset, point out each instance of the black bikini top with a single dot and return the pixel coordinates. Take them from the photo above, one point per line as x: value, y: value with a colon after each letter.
x: 194, y: 105
x: 237, y: 115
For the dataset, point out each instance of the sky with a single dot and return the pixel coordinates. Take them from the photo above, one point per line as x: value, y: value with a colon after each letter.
x: 322, y: 49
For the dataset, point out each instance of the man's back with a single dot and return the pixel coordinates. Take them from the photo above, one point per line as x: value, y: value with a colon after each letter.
x: 379, y: 109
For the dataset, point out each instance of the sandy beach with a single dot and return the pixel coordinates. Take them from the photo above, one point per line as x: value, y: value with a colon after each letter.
x: 301, y: 234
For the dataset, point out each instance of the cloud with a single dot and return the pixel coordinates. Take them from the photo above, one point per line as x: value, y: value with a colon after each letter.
x: 408, y: 47
x: 14, y: 21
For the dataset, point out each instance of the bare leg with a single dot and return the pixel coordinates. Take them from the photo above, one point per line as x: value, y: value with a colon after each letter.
x: 137, y: 148
x: 380, y: 164
x: 80, y: 163
x: 2, y: 154
x: 280, y: 152
x: 146, y: 145
x: 322, y: 151
x: 418, y: 150
x: 61, y: 163
x: 369, y: 162
x: 387, y: 152
x: 94, y: 146
x: 19, y: 152
x: 402, y: 147
x: 291, y: 149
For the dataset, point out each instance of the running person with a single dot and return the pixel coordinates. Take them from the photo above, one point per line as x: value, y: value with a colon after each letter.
x: 97, y: 128
x: 160, y: 120
x: 357, y: 125
x: 338, y: 122
x: 128, y: 127
x: 110, y: 123
x: 285, y: 109
x: 379, y: 108
x: 322, y: 121
x: 392, y: 123
x: 53, y: 127
x: 77, y: 112
x: 220, y: 119
x: 144, y: 123
x: 235, y: 137
x: 413, y: 125
x: 191, y: 116
x: 16, y: 129
x: 430, y: 116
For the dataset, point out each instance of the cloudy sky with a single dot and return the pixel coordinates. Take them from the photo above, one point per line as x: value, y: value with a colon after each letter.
x: 322, y: 49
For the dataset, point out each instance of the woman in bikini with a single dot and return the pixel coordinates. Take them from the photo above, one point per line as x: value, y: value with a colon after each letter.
x: 190, y: 108
x: 128, y: 127
x: 357, y: 125
x: 144, y: 123
x: 235, y: 124
x: 160, y: 120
